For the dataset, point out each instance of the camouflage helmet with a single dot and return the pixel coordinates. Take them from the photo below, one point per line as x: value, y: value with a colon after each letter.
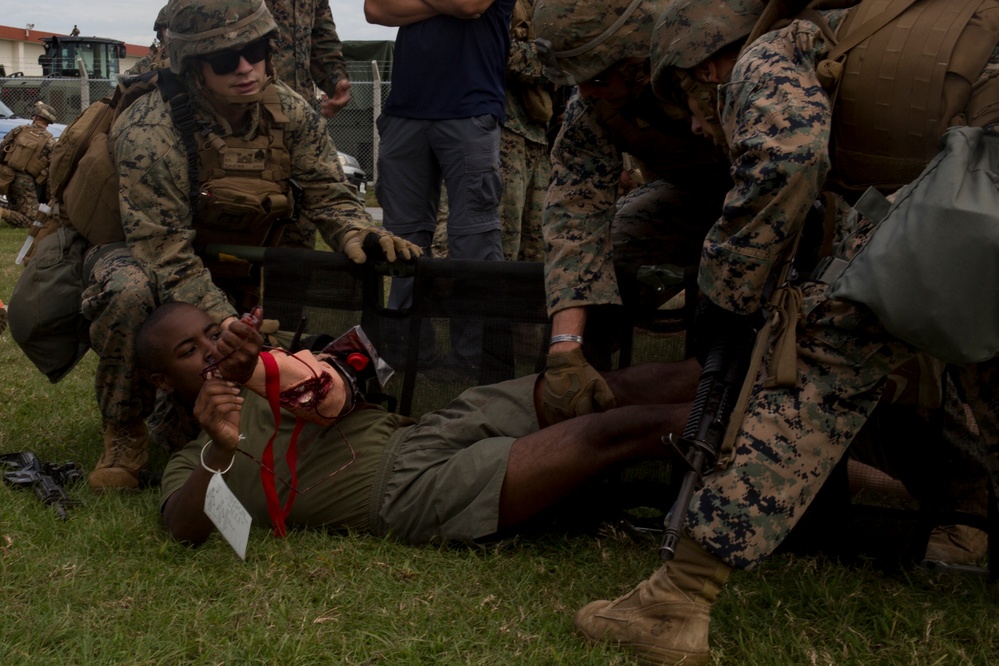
x: 202, y: 27
x: 576, y: 42
x: 44, y: 111
x: 691, y: 31
x: 162, y: 21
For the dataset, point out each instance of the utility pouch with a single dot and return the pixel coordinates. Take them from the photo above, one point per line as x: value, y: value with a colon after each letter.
x: 244, y: 206
x: 6, y: 178
x: 25, y: 153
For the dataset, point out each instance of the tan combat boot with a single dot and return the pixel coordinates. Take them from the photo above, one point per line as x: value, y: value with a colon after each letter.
x: 126, y: 451
x: 957, y: 544
x: 665, y: 619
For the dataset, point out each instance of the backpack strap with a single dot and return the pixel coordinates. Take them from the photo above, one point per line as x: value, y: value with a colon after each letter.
x: 830, y: 69
x: 175, y: 94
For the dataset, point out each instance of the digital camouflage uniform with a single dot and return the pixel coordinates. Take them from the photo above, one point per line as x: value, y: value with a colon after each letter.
x: 524, y: 162
x: 306, y: 53
x: 804, y: 408
x: 22, y: 195
x: 776, y: 119
x: 307, y: 50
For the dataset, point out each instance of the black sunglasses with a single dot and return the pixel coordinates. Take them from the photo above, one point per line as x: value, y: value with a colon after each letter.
x: 226, y: 62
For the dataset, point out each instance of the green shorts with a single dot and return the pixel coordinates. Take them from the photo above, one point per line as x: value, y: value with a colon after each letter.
x: 441, y: 478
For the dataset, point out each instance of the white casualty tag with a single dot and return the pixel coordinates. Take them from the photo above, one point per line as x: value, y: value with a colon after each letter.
x: 229, y: 516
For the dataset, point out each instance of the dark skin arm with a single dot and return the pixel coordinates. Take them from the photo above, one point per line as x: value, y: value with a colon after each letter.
x: 653, y: 400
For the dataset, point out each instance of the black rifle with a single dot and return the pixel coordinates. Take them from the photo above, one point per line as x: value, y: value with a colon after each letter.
x: 25, y: 470
x: 717, y: 392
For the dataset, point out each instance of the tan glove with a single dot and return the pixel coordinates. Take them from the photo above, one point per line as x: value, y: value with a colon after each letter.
x: 573, y: 388
x: 352, y: 244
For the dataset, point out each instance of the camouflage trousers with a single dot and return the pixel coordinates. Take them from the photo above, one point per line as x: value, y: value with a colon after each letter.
x: 525, y: 167
x: 438, y: 246
x: 937, y: 452
x: 791, y: 438
x: 118, y: 298
x: 22, y: 200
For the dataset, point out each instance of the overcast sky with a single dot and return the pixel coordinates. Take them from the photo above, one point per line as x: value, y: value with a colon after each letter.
x: 132, y: 20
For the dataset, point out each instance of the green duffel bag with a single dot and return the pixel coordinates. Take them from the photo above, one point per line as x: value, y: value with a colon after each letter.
x: 930, y: 271
x: 44, y: 311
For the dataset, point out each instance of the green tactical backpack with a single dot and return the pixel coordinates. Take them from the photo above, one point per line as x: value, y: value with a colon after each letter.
x: 44, y: 310
x: 930, y: 271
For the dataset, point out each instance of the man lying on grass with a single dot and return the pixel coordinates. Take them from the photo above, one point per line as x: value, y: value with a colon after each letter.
x: 479, y: 467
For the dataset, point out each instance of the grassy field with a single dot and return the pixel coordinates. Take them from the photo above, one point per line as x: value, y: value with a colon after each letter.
x: 107, y: 586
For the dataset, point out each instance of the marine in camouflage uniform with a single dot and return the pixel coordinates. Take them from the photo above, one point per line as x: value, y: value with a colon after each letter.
x: 158, y: 56
x: 158, y: 262
x: 307, y: 49
x: 594, y: 240
x: 22, y: 193
x: 524, y: 162
x: 307, y: 53
x: 775, y: 118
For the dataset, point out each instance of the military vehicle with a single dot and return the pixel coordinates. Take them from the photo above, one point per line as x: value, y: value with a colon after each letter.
x: 61, y: 81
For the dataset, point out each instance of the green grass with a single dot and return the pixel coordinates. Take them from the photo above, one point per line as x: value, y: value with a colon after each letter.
x: 107, y: 586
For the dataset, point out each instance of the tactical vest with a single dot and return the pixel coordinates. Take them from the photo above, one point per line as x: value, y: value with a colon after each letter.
x: 24, y: 152
x: 245, y: 192
x: 658, y: 135
x: 900, y: 74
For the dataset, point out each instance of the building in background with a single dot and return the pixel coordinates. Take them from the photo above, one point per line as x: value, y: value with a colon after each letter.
x: 20, y: 49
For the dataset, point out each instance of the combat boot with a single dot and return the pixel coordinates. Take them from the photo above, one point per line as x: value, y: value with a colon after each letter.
x: 665, y: 619
x: 956, y: 545
x: 126, y: 450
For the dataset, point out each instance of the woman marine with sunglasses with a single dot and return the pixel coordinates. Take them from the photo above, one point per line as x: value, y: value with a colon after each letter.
x: 255, y: 139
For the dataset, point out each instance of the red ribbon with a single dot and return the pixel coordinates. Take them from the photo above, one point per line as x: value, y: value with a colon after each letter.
x: 273, y: 389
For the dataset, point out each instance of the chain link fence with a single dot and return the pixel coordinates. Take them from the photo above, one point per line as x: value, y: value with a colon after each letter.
x: 353, y: 128
x: 68, y: 96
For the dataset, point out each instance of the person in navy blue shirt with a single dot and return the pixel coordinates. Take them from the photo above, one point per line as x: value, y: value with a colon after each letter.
x: 442, y: 121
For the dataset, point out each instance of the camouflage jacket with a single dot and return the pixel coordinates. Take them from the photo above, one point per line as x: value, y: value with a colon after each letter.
x: 583, y: 191
x: 307, y: 50
x: 523, y: 71
x: 777, y: 120
x: 155, y: 208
